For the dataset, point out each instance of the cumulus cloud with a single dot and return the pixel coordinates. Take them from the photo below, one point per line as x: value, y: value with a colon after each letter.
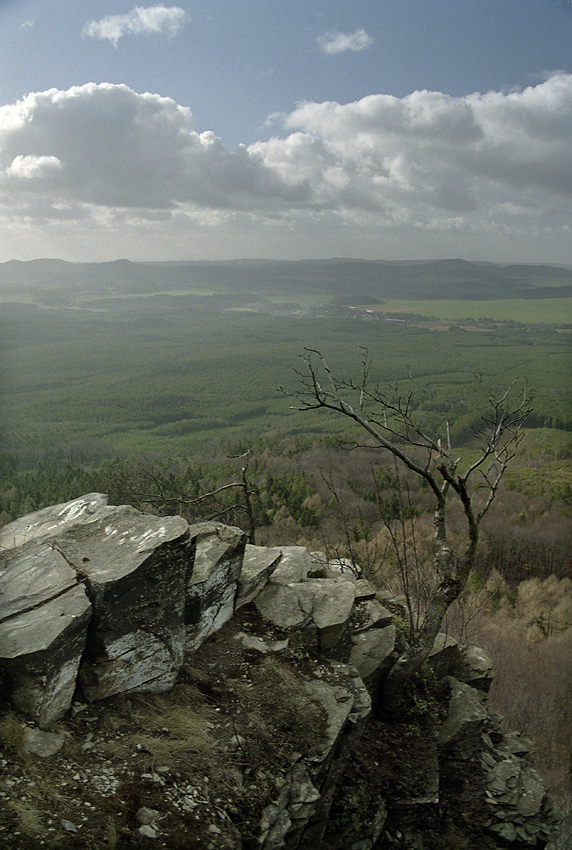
x: 427, y: 162
x: 112, y: 147
x: 335, y: 42
x: 140, y: 20
x: 29, y: 167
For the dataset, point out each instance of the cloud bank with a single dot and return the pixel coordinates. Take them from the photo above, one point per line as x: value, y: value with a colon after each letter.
x: 488, y: 164
x: 140, y: 20
x: 333, y: 43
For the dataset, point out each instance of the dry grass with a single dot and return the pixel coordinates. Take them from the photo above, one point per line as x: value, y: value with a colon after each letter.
x: 162, y: 729
x: 30, y: 819
x: 12, y: 732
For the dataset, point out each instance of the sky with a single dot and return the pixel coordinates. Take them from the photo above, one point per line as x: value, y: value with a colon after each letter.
x: 282, y: 129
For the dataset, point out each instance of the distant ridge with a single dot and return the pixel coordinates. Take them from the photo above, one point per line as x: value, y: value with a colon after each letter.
x: 410, y: 279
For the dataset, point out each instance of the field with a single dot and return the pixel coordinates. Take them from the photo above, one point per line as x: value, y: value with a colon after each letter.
x: 162, y: 366
x: 547, y: 311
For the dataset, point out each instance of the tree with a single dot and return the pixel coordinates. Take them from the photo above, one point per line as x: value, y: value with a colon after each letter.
x: 389, y: 418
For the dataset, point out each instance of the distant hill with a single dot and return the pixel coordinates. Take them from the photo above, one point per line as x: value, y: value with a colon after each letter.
x: 422, y: 279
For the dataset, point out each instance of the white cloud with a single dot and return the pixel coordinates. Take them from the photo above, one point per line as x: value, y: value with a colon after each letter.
x: 30, y: 167
x: 140, y: 20
x: 335, y: 42
x: 478, y: 167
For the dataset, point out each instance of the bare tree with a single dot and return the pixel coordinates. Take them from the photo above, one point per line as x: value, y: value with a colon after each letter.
x: 160, y: 496
x: 388, y: 417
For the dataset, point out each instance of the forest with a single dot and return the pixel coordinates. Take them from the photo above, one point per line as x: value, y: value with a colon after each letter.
x: 167, y: 387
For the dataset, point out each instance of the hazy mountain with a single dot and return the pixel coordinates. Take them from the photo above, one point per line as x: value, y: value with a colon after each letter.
x: 426, y: 279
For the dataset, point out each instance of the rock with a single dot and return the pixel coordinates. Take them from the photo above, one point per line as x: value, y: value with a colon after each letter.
x: 137, y: 568
x: 445, y: 656
x: 40, y: 743
x: 40, y: 651
x: 466, y: 716
x: 329, y: 603
x: 370, y: 654
x: 31, y: 576
x: 295, y: 564
x: 48, y: 523
x: 320, y: 608
x: 294, y: 803
x: 475, y: 668
x: 213, y: 587
x: 146, y: 815
x: 258, y: 565
x: 147, y: 831
x: 156, y: 589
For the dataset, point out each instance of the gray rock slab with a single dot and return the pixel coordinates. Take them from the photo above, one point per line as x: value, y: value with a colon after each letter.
x: 345, y: 699
x: 279, y: 605
x: 329, y: 603
x: 50, y: 522
x: 32, y: 576
x: 369, y: 614
x: 466, y: 714
x: 476, y: 668
x: 41, y: 743
x: 295, y: 564
x: 258, y: 564
x: 371, y: 650
x: 41, y: 649
x: 445, y: 656
x: 137, y: 567
x: 212, y: 589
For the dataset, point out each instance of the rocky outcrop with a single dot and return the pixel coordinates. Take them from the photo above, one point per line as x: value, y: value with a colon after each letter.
x: 99, y: 601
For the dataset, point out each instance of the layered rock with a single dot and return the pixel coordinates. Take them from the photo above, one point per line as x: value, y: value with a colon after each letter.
x: 112, y: 601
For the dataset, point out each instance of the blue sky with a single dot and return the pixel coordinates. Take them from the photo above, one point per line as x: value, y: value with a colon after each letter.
x: 256, y: 128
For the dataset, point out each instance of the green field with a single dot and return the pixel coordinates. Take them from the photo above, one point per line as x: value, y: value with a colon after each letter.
x: 165, y: 358
x: 165, y: 374
x: 548, y: 311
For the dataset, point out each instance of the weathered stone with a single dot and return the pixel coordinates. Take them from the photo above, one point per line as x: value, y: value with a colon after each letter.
x: 370, y: 653
x: 466, y: 716
x: 41, y: 649
x: 137, y: 568
x: 258, y: 565
x: 30, y: 576
x: 329, y: 603
x: 48, y: 523
x: 532, y: 794
x: 279, y: 605
x: 445, y: 656
x: 41, y: 743
x: 213, y: 587
x: 344, y: 698
x: 294, y: 803
x: 475, y: 668
x: 320, y: 606
x: 295, y: 564
x: 369, y: 614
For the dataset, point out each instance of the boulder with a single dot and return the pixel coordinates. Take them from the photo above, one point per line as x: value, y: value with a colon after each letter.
x: 212, y: 589
x: 136, y: 568
x: 258, y: 564
x: 465, y: 719
x: 319, y: 609
x: 371, y: 652
x: 476, y: 668
x: 83, y: 562
x: 295, y: 564
x: 40, y: 652
x: 48, y: 523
